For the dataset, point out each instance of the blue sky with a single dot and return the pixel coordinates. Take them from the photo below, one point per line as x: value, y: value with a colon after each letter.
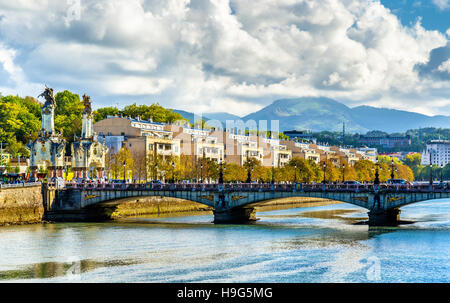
x: 233, y: 56
x: 409, y: 11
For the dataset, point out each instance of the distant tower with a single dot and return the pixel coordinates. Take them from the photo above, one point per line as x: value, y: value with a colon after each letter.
x: 343, y: 133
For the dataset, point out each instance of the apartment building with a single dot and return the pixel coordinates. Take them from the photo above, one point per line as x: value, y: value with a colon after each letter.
x: 140, y: 136
x: 275, y: 153
x: 241, y: 148
x: 436, y: 151
x: 302, y: 150
x: 143, y: 137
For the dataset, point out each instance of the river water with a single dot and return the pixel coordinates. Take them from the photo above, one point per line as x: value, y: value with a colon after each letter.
x: 310, y: 244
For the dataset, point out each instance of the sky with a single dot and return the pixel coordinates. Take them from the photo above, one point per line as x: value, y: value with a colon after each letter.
x: 234, y: 56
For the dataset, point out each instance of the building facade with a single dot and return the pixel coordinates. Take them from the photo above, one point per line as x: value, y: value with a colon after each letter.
x: 386, y: 142
x: 437, y: 152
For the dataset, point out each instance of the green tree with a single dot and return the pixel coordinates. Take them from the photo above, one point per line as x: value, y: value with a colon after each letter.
x: 68, y: 118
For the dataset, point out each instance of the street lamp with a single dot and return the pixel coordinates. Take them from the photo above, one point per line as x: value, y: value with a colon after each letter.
x: 324, y: 165
x: 295, y: 173
x: 221, y: 172
x: 124, y: 172
x: 249, y: 174
x: 173, y: 172
x: 343, y: 172
x: 377, y: 175
x: 273, y: 173
x: 392, y: 169
x: 201, y: 173
x: 431, y: 171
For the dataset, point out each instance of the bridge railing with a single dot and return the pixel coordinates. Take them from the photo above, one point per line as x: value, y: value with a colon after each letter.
x: 306, y: 187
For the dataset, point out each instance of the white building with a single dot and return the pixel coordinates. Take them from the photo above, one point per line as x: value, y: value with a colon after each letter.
x: 438, y: 151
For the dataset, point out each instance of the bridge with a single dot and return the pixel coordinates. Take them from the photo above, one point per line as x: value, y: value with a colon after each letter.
x: 234, y: 203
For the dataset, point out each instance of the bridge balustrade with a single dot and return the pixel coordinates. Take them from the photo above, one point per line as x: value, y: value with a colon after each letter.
x: 305, y: 187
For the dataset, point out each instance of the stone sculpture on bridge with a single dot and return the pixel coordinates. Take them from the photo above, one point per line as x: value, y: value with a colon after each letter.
x: 88, y: 154
x: 48, y: 150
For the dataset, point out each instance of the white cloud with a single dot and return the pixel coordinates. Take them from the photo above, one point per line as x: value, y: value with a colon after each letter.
x: 442, y: 4
x: 202, y: 55
x: 445, y: 67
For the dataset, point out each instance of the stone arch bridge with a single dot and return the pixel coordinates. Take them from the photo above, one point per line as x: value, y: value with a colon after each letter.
x: 233, y: 203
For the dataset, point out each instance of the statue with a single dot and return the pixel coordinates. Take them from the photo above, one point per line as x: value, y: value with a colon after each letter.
x: 87, y: 104
x: 49, y: 99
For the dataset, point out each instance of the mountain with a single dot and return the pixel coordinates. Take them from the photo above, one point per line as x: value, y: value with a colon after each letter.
x: 220, y: 116
x: 316, y: 114
x: 319, y: 114
x: 391, y: 120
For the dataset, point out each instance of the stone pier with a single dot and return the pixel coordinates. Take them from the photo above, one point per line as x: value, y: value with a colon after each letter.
x: 388, y: 217
x: 235, y: 215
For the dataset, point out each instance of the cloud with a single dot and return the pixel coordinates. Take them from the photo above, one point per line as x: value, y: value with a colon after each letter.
x: 442, y: 4
x: 215, y: 55
x: 445, y: 67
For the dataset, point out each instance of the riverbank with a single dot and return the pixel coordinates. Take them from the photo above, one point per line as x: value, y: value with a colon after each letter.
x: 157, y: 206
x: 21, y: 205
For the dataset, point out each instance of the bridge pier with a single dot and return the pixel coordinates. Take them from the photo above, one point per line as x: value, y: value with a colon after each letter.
x: 82, y: 215
x: 235, y: 215
x: 384, y: 217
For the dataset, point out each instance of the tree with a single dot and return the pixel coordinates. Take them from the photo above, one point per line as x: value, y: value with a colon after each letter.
x: 68, y: 118
x: 103, y: 113
x: 364, y: 170
x: 305, y: 172
x: 140, y: 166
x: 124, y: 163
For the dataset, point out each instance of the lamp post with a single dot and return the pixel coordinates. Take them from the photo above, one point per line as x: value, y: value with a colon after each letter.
x: 173, y: 172
x: 392, y: 169
x: 377, y: 175
x: 343, y: 172
x: 295, y: 173
x: 273, y: 173
x: 124, y: 172
x: 324, y: 165
x: 201, y: 173
x: 431, y: 172
x: 221, y: 172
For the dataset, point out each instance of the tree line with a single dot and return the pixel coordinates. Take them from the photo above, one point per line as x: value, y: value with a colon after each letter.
x: 142, y: 168
x: 20, y: 118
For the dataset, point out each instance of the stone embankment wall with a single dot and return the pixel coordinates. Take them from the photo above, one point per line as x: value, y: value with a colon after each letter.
x: 21, y: 205
x: 163, y: 205
x: 157, y: 205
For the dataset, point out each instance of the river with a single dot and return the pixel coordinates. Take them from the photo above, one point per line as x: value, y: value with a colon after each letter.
x: 310, y: 244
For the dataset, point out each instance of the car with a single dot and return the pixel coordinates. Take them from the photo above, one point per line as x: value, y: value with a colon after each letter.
x: 351, y: 182
x: 116, y: 181
x: 397, y: 181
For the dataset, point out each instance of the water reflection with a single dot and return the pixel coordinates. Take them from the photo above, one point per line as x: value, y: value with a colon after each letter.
x: 55, y: 269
